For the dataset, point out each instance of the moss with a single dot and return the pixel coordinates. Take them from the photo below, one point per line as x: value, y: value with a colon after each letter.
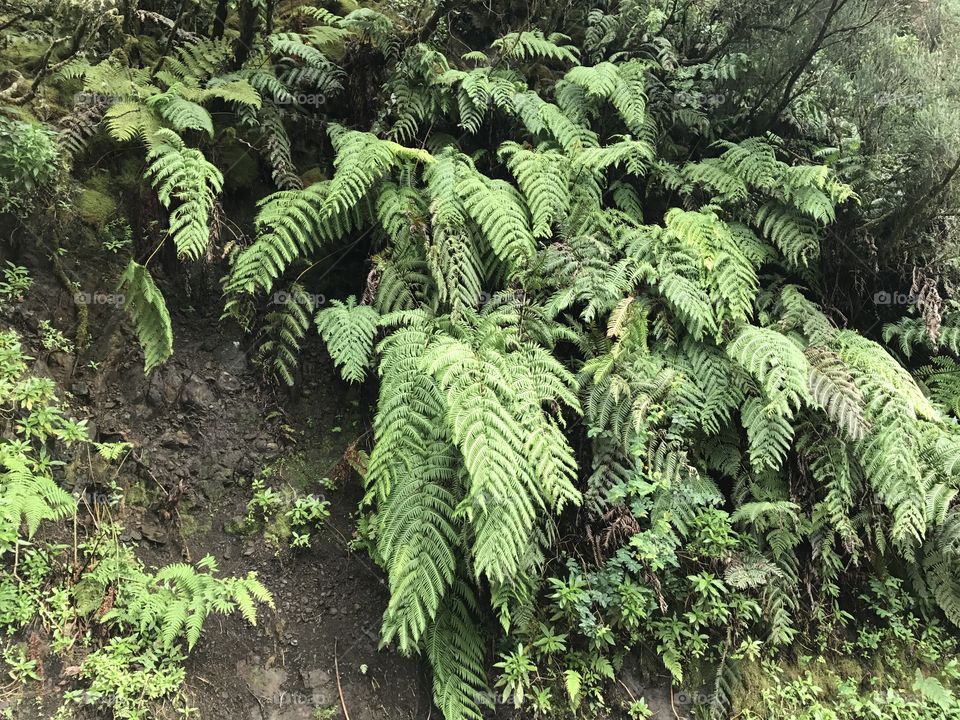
x: 313, y: 175
x: 94, y: 207
x: 192, y: 525
x: 302, y: 470
x: 135, y: 495
x: 753, y: 679
x: 22, y: 53
x: 130, y: 175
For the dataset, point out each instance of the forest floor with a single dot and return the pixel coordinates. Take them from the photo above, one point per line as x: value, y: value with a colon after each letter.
x: 201, y: 428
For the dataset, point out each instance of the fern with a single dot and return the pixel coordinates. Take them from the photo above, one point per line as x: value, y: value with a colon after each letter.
x: 148, y: 311
x: 533, y: 45
x: 181, y: 113
x: 183, y: 175
x: 28, y: 496
x: 348, y: 330
x: 544, y: 178
x: 943, y: 380
x: 284, y: 330
x: 455, y: 649
x: 777, y: 363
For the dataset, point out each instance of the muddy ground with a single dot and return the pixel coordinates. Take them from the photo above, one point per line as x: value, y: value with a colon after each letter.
x: 201, y: 428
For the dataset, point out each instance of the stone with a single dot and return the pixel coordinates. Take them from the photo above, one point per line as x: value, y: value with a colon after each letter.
x: 164, y: 387
x: 179, y: 439
x: 227, y: 383
x: 320, y: 686
x: 197, y: 394
x: 153, y: 530
x: 80, y: 389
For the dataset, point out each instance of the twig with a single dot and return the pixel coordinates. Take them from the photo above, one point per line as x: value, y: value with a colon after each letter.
x: 263, y: 710
x: 336, y: 669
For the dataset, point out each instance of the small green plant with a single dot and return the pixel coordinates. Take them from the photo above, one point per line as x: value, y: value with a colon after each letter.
x: 287, y: 517
x: 21, y: 669
x: 54, y: 340
x: 16, y: 282
x: 117, y: 235
x: 264, y: 503
x: 132, y: 627
x: 29, y: 164
x: 307, y: 514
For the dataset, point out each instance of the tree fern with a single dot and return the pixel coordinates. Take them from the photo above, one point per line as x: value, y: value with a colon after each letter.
x: 777, y: 363
x: 284, y: 331
x: 455, y: 649
x: 183, y: 175
x: 148, y: 311
x: 533, y: 45
x: 544, y: 178
x: 181, y: 113
x: 348, y: 330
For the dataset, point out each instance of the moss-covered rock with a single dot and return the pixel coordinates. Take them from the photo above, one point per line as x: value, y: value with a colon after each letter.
x: 94, y: 207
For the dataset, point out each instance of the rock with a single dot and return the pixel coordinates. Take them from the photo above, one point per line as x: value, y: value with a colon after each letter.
x: 320, y: 685
x: 179, y: 439
x: 164, y: 387
x: 80, y: 389
x: 227, y: 383
x: 152, y: 530
x: 231, y: 357
x: 231, y: 459
x: 197, y: 394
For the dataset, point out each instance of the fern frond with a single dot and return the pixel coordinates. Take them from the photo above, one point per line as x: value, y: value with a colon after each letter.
x: 148, y: 311
x: 184, y: 175
x: 348, y: 329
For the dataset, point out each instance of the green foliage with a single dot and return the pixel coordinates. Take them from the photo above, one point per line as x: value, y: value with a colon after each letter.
x: 29, y: 165
x: 914, y: 671
x: 148, y: 311
x: 285, y: 516
x: 16, y: 281
x: 533, y: 45
x: 695, y: 365
x: 183, y: 175
x: 628, y: 402
x: 284, y: 330
x: 348, y: 330
x: 131, y: 627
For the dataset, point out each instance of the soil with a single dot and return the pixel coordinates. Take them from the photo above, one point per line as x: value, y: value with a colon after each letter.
x: 202, y: 426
